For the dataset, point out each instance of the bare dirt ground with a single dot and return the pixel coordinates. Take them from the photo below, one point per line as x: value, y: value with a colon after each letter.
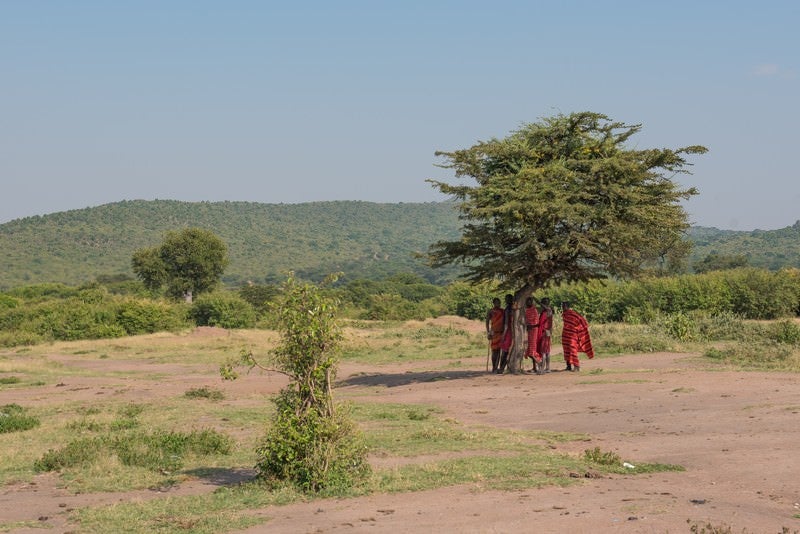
x: 736, y: 433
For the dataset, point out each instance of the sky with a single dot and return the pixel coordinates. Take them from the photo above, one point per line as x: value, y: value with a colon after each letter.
x: 287, y: 102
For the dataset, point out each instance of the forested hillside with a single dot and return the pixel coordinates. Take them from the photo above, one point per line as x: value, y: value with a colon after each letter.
x: 768, y: 249
x: 361, y: 239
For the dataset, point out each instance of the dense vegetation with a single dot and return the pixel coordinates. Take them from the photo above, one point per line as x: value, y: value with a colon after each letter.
x: 119, y: 307
x: 361, y: 239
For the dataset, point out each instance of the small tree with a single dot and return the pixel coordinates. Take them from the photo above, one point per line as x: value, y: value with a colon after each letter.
x: 564, y: 200
x: 311, y: 441
x: 188, y: 262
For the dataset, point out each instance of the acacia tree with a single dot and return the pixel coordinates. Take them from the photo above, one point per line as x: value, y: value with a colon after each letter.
x: 564, y: 199
x: 188, y: 262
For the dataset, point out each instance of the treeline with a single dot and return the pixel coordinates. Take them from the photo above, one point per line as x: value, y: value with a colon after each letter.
x: 749, y: 293
x: 363, y: 240
x: 120, y: 306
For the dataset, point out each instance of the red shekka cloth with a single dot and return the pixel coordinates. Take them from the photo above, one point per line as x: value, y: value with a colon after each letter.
x: 532, y: 323
x: 496, y: 327
x: 545, y: 328
x: 575, y: 337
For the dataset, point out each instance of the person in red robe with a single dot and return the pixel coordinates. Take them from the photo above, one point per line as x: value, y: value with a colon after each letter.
x: 495, y: 325
x: 545, y: 332
x: 508, y: 333
x: 574, y: 337
x: 532, y: 326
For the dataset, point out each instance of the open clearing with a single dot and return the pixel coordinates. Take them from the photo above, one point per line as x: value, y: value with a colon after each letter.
x: 735, y: 432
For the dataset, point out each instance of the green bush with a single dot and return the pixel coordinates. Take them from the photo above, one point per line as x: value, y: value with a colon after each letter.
x: 311, y: 442
x: 312, y: 450
x: 226, y: 310
x: 392, y: 308
x: 16, y: 338
x: 139, y: 316
x: 748, y: 293
x: 467, y: 300
x: 73, y: 319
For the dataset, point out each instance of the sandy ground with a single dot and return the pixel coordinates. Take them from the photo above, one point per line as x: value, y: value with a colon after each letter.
x: 736, y: 433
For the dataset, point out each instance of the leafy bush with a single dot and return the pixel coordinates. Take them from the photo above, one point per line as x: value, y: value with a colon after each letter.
x: 226, y: 310
x: 467, y: 300
x: 748, y: 293
x: 259, y: 296
x: 311, y: 442
x: 392, y: 308
x: 139, y: 316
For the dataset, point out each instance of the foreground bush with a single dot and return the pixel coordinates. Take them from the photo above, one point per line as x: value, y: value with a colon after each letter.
x: 311, y: 443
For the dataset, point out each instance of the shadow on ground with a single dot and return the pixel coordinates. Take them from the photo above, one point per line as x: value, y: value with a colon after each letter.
x: 404, y: 379
x: 220, y: 476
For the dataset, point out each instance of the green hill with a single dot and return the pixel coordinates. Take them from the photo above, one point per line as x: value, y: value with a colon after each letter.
x: 361, y: 239
x: 768, y: 249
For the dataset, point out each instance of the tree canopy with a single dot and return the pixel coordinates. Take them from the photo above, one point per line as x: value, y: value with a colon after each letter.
x: 564, y: 199
x: 188, y: 262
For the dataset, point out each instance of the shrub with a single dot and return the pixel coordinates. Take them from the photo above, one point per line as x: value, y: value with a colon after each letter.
x: 311, y: 442
x: 313, y: 450
x: 470, y: 301
x: 226, y: 310
x: 147, y: 316
x: 391, y: 308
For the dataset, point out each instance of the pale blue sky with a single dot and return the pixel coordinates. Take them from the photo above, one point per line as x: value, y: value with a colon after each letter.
x: 102, y: 101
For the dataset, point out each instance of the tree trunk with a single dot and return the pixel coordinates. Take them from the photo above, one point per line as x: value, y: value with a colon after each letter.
x: 519, y: 331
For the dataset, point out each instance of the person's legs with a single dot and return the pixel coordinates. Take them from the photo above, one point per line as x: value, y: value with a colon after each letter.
x: 495, y: 360
x: 503, y: 362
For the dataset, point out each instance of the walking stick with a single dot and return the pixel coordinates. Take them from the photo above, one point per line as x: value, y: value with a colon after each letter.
x: 488, y: 354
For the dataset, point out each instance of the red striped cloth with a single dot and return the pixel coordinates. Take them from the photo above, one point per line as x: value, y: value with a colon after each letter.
x: 575, y: 337
x: 532, y: 323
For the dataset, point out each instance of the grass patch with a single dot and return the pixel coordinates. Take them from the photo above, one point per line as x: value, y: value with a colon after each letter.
x: 14, y: 418
x: 162, y: 451
x: 766, y: 355
x: 6, y: 380
x: 204, y: 392
x: 410, y: 342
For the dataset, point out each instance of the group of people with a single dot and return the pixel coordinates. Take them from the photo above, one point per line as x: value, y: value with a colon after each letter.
x: 539, y: 328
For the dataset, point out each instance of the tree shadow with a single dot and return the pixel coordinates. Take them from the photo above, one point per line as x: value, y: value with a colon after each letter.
x: 403, y: 379
x: 221, y: 476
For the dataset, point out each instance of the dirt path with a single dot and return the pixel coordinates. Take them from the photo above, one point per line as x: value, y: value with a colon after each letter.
x: 736, y: 433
